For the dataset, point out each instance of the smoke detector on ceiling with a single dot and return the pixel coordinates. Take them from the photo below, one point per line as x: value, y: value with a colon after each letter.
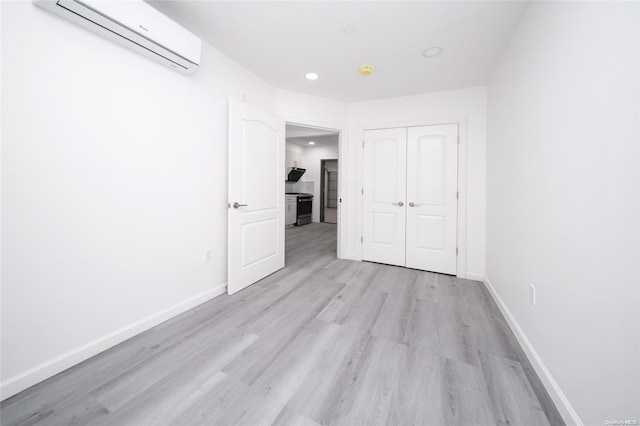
x: 349, y: 29
x: 432, y: 52
x: 365, y: 69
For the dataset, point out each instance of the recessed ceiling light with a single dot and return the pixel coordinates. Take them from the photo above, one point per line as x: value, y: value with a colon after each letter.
x: 349, y: 29
x: 312, y: 143
x: 432, y: 52
x: 366, y: 69
x: 311, y: 76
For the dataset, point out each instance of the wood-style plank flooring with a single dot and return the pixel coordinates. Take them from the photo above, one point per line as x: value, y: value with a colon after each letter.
x: 321, y: 342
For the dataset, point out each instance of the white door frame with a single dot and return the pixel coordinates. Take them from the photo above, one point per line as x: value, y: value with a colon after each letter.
x: 342, y: 148
x: 461, y: 263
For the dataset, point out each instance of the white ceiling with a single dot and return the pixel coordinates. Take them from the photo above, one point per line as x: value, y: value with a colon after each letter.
x: 295, y: 131
x: 301, y: 135
x: 282, y: 41
x: 320, y: 142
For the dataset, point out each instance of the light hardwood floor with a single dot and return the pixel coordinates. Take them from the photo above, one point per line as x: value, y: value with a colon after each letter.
x: 321, y: 342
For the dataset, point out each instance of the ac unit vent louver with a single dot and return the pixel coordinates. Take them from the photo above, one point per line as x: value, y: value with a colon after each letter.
x: 136, y: 25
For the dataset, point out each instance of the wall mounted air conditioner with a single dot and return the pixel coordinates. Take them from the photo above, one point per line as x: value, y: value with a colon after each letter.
x: 136, y: 25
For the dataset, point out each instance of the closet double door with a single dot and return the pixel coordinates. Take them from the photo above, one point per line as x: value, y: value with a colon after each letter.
x: 410, y: 197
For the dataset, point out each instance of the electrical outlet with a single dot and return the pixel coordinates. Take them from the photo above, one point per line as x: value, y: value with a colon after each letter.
x: 532, y: 294
x: 208, y: 256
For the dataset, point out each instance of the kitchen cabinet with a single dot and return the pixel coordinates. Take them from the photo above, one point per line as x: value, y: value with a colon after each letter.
x: 293, y: 159
x: 290, y: 209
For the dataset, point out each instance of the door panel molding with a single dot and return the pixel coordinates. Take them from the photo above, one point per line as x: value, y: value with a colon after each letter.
x: 255, y: 242
x: 462, y: 122
x: 384, y: 212
x: 432, y: 184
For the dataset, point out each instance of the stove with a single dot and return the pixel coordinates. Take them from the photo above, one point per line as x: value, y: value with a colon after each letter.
x: 303, y: 207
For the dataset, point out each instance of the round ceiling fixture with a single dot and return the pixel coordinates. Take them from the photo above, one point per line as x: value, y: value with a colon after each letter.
x: 432, y: 52
x: 349, y: 29
x: 312, y: 143
x: 311, y: 76
x: 365, y: 69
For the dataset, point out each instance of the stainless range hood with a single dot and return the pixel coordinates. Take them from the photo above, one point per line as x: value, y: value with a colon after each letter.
x: 295, y: 174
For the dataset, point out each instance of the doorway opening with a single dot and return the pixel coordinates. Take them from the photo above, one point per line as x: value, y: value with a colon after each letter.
x: 329, y: 190
x: 311, y: 183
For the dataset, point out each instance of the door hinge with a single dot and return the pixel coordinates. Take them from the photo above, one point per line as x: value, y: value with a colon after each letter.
x: 456, y: 251
x: 362, y: 191
x: 457, y: 195
x: 458, y: 138
x: 361, y: 239
x: 363, y: 144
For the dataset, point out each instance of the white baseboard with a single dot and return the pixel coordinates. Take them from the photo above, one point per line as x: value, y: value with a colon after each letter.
x: 50, y: 368
x: 351, y: 257
x: 475, y: 277
x: 562, y: 403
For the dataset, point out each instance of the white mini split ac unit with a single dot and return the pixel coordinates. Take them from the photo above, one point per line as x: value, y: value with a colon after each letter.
x: 136, y: 25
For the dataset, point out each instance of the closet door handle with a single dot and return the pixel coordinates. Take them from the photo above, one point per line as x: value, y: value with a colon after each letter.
x: 399, y: 203
x: 414, y: 205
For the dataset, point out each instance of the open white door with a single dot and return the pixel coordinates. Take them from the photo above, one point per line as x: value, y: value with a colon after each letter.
x: 256, y: 195
x: 384, y: 196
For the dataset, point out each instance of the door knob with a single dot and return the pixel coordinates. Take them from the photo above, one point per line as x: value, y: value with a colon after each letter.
x: 413, y: 204
x: 236, y: 205
x: 399, y: 203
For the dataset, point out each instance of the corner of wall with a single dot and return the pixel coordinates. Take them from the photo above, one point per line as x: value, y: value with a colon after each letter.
x: 38, y: 373
x: 567, y: 412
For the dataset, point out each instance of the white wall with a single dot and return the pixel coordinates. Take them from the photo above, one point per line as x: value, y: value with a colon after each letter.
x: 114, y: 182
x: 466, y: 104
x: 311, y: 110
x: 562, y: 199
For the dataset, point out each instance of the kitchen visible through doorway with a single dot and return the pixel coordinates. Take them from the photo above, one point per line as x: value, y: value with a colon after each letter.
x: 311, y: 177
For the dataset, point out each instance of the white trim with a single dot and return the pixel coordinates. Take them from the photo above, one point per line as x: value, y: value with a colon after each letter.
x: 567, y: 412
x: 463, y: 133
x: 461, y: 264
x: 351, y: 257
x: 475, y: 277
x: 50, y: 368
x: 342, y: 172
